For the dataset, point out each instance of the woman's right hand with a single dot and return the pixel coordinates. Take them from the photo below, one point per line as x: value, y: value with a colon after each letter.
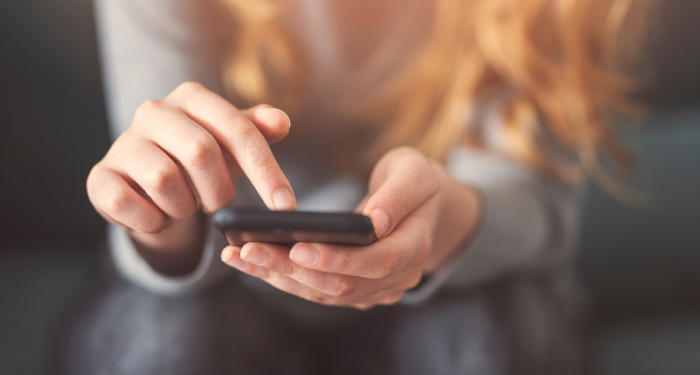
x: 183, y: 153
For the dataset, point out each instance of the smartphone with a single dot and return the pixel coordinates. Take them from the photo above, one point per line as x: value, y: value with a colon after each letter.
x: 242, y: 225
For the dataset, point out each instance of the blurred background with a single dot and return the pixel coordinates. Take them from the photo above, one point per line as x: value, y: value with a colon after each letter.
x: 641, y: 265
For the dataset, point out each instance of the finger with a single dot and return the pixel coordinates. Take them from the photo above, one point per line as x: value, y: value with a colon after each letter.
x: 409, y: 243
x: 276, y: 258
x: 234, y: 170
x: 158, y: 175
x: 406, y: 180
x: 192, y: 146
x: 231, y: 256
x: 113, y: 196
x: 386, y: 298
x: 272, y: 122
x: 242, y: 139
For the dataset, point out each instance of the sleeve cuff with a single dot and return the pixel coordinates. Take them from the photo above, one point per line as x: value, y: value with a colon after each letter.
x: 430, y: 286
x: 134, y: 268
x: 527, y: 222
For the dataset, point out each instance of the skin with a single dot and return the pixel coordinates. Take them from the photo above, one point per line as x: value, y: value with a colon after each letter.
x: 180, y: 157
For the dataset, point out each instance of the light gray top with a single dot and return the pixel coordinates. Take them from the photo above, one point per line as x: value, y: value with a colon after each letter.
x: 150, y: 47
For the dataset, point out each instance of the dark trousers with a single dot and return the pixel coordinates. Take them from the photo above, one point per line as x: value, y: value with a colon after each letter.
x: 236, y: 329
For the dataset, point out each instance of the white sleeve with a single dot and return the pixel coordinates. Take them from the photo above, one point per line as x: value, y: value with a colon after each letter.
x: 528, y: 224
x: 148, y: 48
x: 134, y: 268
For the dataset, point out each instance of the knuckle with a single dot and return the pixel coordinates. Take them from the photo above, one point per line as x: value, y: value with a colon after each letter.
x: 343, y: 263
x: 391, y: 263
x: 117, y: 202
x: 342, y: 289
x: 201, y: 151
x: 264, y: 166
x: 288, y: 268
x: 146, y: 109
x: 160, y: 180
x: 189, y: 87
x: 260, y: 273
x: 241, y: 131
x: 121, y: 143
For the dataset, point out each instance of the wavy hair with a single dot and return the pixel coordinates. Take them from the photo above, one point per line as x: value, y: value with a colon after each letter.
x: 567, y: 61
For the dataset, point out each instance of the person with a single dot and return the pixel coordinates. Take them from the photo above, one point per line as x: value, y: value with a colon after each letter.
x: 461, y: 128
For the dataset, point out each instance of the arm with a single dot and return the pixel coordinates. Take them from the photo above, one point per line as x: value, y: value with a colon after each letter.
x: 528, y: 222
x: 148, y: 48
x: 153, y: 181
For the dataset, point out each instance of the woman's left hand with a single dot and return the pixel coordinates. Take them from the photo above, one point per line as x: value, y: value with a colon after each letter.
x: 420, y: 214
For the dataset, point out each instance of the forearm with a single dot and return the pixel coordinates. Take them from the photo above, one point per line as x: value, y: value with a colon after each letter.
x: 176, y: 250
x: 460, y: 213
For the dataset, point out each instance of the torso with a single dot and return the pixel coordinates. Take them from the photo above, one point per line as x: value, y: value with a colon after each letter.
x: 347, y: 46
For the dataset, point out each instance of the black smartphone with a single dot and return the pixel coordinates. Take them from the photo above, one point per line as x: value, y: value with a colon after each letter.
x: 241, y: 225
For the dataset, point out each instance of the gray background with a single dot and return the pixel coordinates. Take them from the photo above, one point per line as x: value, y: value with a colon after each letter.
x: 642, y: 265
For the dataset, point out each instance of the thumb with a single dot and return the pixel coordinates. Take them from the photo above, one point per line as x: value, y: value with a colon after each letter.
x: 406, y: 180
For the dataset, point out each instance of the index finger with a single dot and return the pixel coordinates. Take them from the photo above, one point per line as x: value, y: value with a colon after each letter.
x: 241, y: 138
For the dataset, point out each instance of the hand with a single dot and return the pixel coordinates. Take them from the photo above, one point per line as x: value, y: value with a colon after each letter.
x: 181, y: 154
x: 420, y: 215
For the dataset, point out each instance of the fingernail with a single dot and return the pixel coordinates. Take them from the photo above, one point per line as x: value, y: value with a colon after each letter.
x: 289, y: 121
x: 304, y: 253
x: 226, y: 254
x: 236, y: 261
x: 380, y: 220
x: 266, y: 115
x: 256, y: 255
x: 269, y: 115
x: 283, y: 200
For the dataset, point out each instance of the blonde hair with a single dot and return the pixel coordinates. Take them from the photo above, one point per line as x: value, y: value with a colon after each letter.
x: 565, y: 59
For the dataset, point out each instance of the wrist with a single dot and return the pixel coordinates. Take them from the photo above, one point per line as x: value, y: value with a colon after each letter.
x: 458, y: 217
x: 177, y: 249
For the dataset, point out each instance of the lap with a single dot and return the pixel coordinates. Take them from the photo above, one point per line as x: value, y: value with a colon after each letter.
x: 125, y: 330
x: 122, y: 329
x: 450, y: 335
